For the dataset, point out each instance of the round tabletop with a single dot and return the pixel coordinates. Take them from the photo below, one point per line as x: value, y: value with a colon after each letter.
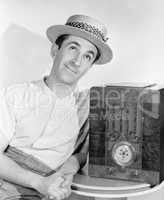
x: 109, y: 188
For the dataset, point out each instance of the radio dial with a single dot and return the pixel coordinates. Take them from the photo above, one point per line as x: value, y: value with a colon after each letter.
x: 123, y: 153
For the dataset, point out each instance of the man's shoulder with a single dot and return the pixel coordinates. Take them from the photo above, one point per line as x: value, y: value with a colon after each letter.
x: 24, y: 86
x: 20, y: 92
x: 82, y: 99
x: 82, y: 102
x: 82, y: 93
x: 15, y: 89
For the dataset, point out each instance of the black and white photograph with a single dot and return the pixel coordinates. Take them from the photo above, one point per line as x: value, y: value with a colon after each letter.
x: 81, y: 100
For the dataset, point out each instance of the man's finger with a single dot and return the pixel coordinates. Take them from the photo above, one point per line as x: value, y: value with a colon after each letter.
x: 67, y: 180
x: 56, y: 184
x: 59, y: 194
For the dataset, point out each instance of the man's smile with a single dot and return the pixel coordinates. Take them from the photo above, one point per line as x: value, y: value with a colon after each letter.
x: 70, y: 69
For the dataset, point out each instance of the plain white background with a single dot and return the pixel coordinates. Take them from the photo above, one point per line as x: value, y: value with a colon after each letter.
x: 136, y: 35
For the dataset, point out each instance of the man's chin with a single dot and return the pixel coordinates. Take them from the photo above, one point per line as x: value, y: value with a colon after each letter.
x: 69, y: 81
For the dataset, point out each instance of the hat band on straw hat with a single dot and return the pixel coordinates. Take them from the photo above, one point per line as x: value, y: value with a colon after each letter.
x: 87, y: 27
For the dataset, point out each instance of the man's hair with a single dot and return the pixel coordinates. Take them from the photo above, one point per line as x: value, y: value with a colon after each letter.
x: 61, y: 39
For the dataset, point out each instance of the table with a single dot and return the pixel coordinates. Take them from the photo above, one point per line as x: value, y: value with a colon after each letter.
x: 100, y: 188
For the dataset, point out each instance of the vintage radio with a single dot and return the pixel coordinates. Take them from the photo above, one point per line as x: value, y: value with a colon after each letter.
x: 126, y: 133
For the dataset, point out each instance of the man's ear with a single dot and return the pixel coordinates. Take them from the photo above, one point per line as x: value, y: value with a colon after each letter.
x: 54, y: 49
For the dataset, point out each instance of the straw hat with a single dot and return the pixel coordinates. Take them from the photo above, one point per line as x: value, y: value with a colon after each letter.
x: 87, y: 28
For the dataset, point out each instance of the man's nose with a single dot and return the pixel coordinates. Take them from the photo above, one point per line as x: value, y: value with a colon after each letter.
x: 77, y: 59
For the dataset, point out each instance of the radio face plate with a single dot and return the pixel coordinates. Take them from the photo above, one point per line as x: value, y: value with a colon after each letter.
x: 125, y: 133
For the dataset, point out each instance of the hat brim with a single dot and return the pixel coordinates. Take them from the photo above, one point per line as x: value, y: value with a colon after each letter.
x: 53, y: 32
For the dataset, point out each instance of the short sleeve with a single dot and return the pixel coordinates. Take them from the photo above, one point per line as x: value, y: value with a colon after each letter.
x: 82, y: 102
x: 7, y: 120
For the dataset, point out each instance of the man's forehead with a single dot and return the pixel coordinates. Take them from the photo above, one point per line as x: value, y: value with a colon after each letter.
x: 72, y: 39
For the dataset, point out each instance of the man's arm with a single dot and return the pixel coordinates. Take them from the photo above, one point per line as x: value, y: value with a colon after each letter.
x: 78, y: 159
x: 11, y: 171
x: 79, y: 156
x: 48, y: 186
x: 82, y: 143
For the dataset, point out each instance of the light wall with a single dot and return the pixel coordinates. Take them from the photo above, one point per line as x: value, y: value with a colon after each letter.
x: 136, y: 35
x: 136, y: 32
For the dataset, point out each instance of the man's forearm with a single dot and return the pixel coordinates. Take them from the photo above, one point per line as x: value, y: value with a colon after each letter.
x: 71, y: 166
x: 11, y: 171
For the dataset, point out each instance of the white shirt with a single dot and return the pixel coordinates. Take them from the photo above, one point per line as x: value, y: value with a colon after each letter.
x: 36, y: 121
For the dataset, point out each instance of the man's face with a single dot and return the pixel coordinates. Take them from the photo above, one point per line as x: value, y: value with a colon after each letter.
x: 74, y: 58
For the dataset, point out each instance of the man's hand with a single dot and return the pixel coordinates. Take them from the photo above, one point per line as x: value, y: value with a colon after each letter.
x: 67, y: 171
x: 68, y: 178
x: 51, y: 186
x: 58, y: 190
x: 58, y: 185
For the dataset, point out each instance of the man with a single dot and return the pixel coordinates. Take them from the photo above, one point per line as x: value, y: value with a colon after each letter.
x: 43, y: 124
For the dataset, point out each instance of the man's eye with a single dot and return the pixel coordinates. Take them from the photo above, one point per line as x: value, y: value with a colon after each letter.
x: 88, y: 57
x: 72, y: 47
